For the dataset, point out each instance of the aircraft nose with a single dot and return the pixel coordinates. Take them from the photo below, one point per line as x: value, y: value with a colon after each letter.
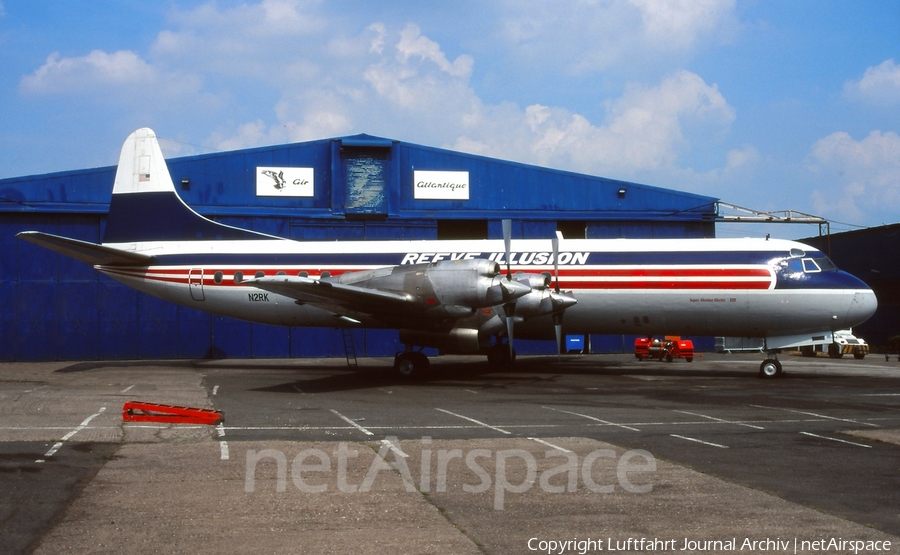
x: 862, y: 307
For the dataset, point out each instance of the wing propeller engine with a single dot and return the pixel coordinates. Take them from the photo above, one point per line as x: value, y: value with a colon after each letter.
x: 435, y: 297
x: 539, y: 301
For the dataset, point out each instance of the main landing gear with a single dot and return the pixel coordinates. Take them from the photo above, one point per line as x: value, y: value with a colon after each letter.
x: 771, y: 368
x: 411, y: 364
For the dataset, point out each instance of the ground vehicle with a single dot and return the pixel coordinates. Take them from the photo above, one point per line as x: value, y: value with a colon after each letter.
x: 845, y: 343
x: 669, y: 348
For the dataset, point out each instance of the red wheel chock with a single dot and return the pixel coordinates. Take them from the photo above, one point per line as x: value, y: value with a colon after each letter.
x: 135, y: 411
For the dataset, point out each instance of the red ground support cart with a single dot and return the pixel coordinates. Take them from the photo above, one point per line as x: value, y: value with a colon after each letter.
x: 668, y: 348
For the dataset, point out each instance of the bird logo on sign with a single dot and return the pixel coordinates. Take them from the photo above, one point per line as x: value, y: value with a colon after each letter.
x: 280, y: 182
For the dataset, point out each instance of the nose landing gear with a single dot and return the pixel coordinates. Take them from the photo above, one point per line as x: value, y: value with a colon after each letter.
x: 771, y: 368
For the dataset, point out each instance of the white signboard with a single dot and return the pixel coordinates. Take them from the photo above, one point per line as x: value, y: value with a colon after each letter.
x: 284, y: 182
x: 441, y: 185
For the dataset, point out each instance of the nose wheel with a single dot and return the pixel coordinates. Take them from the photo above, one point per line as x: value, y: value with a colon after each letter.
x: 770, y: 368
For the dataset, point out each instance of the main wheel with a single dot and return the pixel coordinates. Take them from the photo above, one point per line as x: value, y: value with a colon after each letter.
x: 770, y: 368
x: 411, y: 364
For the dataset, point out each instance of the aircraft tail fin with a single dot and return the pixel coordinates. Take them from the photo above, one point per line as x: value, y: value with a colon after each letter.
x: 145, y: 206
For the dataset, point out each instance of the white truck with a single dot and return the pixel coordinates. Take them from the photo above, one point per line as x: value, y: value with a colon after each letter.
x: 845, y: 343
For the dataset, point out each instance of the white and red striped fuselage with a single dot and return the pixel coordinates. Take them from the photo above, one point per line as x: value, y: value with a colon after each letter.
x: 730, y: 287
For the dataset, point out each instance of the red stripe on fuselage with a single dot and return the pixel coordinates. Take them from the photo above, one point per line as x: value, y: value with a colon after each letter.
x: 579, y: 278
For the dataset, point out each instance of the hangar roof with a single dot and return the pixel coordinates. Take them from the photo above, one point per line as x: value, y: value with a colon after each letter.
x: 363, y: 176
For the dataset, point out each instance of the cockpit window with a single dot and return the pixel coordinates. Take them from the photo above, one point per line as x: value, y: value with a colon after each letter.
x: 826, y: 264
x: 797, y: 253
x: 810, y: 266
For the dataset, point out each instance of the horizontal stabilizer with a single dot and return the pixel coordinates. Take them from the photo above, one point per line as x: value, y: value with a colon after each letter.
x: 89, y: 253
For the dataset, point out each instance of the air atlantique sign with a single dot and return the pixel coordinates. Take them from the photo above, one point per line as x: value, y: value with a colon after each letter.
x: 284, y: 182
x: 441, y: 185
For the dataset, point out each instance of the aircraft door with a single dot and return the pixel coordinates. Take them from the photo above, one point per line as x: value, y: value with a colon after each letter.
x: 195, y: 282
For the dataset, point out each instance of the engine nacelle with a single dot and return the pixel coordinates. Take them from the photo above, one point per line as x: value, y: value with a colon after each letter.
x: 535, y: 281
x: 475, y: 283
x: 457, y: 340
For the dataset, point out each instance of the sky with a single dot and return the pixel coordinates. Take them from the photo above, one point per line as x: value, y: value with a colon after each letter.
x: 764, y: 104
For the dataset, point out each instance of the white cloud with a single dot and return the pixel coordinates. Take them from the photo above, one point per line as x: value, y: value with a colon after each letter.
x: 679, y: 23
x: 121, y: 77
x: 865, y: 176
x: 414, y: 44
x: 644, y: 130
x: 879, y: 85
x: 739, y: 158
x: 84, y: 73
x: 586, y: 36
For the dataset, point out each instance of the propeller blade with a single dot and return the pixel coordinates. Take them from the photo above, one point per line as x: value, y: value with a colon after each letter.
x: 510, y: 323
x: 507, y: 240
x: 561, y: 301
x: 557, y: 326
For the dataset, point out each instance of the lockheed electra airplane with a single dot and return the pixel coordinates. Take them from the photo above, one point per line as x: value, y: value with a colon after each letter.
x: 471, y: 296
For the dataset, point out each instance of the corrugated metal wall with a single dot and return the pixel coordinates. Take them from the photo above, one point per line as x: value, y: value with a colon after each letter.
x: 54, y: 308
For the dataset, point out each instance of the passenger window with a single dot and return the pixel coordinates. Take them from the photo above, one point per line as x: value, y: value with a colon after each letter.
x: 810, y: 266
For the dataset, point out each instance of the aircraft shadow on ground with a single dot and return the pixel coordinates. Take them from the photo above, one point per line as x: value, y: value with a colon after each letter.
x: 527, y: 371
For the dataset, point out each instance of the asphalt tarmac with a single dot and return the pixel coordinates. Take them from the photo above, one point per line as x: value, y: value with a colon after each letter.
x: 591, y: 454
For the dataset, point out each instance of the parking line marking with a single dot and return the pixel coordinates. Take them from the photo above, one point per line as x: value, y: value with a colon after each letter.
x: 594, y: 419
x: 836, y: 439
x: 69, y: 435
x: 548, y: 444
x: 720, y: 419
x: 223, y: 445
x: 127, y: 389
x: 480, y: 423
x: 819, y: 415
x: 215, y: 390
x: 700, y: 441
x: 352, y: 423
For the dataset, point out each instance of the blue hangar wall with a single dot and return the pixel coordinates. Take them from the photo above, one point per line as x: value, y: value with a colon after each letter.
x: 358, y: 187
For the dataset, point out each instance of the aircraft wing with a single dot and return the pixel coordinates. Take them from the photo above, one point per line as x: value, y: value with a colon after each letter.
x: 336, y: 297
x: 84, y: 251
